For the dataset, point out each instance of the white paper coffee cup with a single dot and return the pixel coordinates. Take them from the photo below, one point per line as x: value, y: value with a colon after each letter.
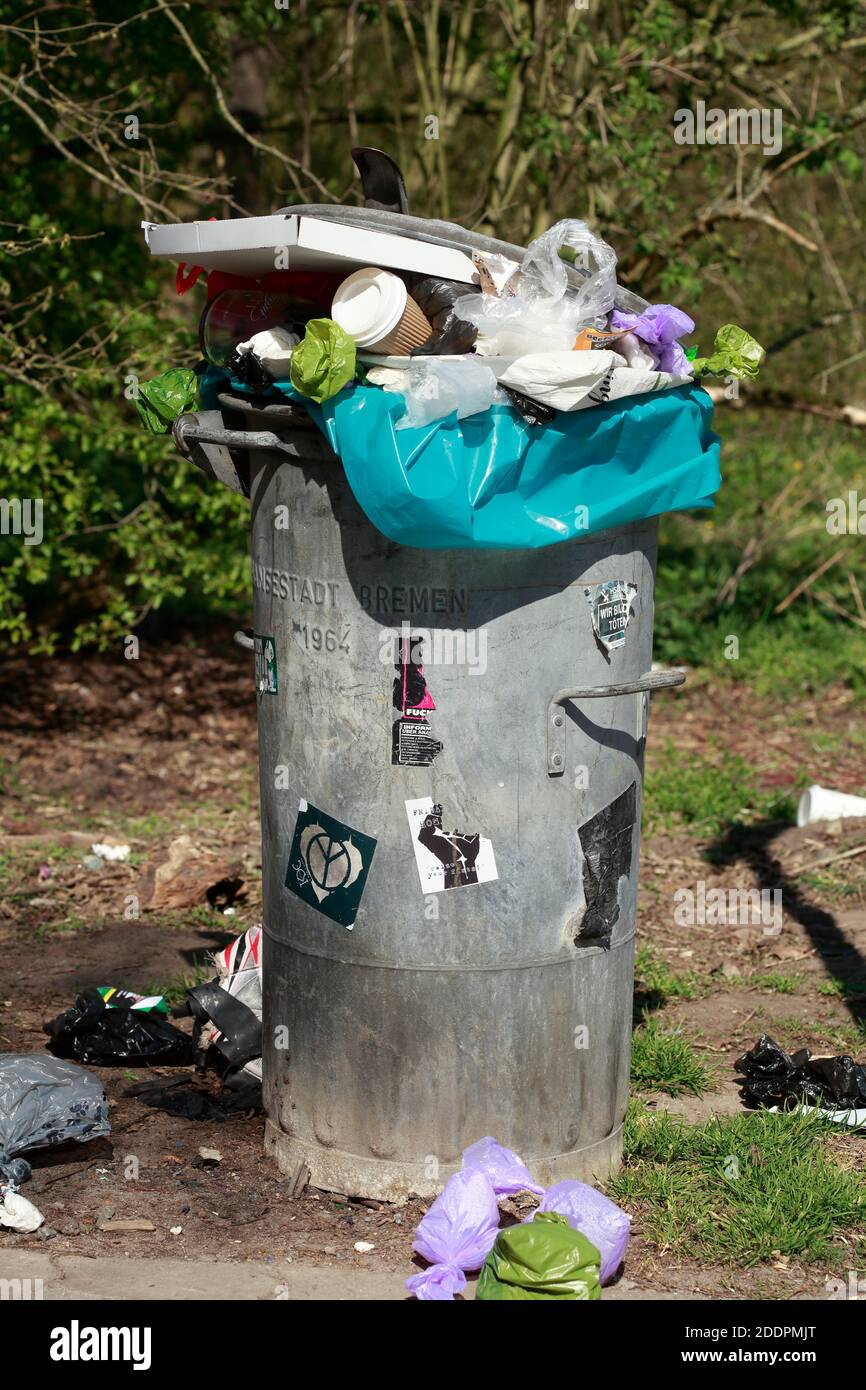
x: 374, y: 307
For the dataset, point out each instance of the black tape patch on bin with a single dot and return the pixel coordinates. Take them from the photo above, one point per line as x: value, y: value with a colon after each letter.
x: 328, y: 864
x: 606, y: 841
x: 412, y: 741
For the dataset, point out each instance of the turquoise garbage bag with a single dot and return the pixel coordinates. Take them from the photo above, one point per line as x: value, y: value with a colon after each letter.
x: 491, y: 481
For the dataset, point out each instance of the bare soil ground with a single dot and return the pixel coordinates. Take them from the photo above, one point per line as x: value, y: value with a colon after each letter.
x: 90, y: 749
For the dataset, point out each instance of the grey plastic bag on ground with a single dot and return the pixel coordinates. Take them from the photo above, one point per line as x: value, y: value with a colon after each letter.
x: 44, y: 1100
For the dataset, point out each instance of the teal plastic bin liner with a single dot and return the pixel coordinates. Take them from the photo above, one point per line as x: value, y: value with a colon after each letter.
x: 491, y: 481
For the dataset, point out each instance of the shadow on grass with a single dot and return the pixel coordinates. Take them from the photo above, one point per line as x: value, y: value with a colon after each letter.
x: 753, y: 845
x: 645, y: 1002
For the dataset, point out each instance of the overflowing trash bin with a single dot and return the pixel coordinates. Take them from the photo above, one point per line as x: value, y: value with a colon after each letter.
x: 456, y: 452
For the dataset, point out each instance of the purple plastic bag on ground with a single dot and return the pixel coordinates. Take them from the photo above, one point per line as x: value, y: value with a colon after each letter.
x: 595, y: 1216
x: 506, y: 1171
x: 455, y: 1235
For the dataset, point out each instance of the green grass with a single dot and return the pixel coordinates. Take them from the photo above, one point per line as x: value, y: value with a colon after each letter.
x: 776, y: 983
x: 662, y: 1061
x: 834, y: 885
x: 9, y: 777
x: 821, y: 1035
x: 740, y: 1189
x: 807, y: 647
x: 842, y: 989
x: 708, y: 794
x: 64, y: 927
x: 174, y: 988
x: 655, y: 978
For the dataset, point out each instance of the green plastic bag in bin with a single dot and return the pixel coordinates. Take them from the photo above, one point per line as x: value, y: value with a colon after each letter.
x: 543, y: 1258
x: 163, y: 398
x: 324, y: 362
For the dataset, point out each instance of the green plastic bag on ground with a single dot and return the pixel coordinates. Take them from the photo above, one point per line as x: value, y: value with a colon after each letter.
x: 544, y: 1258
x: 735, y: 353
x: 324, y: 362
x: 162, y: 399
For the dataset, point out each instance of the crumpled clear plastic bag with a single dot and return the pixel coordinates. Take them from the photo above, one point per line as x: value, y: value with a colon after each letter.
x: 544, y: 279
x: 511, y: 327
x: 455, y: 1235
x: 598, y: 1218
x: 435, y: 387
x: 540, y: 310
x: 45, y: 1101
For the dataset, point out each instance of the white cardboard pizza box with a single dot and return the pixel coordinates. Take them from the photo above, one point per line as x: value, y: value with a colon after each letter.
x: 248, y: 246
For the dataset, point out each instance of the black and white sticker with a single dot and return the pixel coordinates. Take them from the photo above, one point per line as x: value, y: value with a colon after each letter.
x: 447, y: 858
x: 611, y: 605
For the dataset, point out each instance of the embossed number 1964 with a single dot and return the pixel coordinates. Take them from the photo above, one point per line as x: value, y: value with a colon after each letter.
x: 318, y: 639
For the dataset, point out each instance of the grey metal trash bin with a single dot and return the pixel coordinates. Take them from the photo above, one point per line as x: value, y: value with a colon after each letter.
x: 484, y: 983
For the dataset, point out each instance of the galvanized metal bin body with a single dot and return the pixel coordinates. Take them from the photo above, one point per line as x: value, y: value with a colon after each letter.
x: 440, y: 1017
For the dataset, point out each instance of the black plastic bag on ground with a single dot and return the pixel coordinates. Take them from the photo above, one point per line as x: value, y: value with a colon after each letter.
x: 45, y: 1101
x: 842, y: 1079
x: 771, y: 1076
x: 93, y: 1032
x: 228, y: 1010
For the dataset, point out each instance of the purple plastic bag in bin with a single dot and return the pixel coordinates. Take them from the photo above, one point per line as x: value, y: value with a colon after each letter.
x: 507, y: 1173
x: 595, y: 1216
x: 455, y: 1235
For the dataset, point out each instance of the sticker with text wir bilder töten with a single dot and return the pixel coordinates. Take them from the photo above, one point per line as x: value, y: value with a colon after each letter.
x: 611, y: 605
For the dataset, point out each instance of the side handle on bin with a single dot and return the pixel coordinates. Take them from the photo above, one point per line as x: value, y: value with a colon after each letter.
x: 202, y: 440
x: 205, y: 440
x: 244, y: 638
x: 652, y: 680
